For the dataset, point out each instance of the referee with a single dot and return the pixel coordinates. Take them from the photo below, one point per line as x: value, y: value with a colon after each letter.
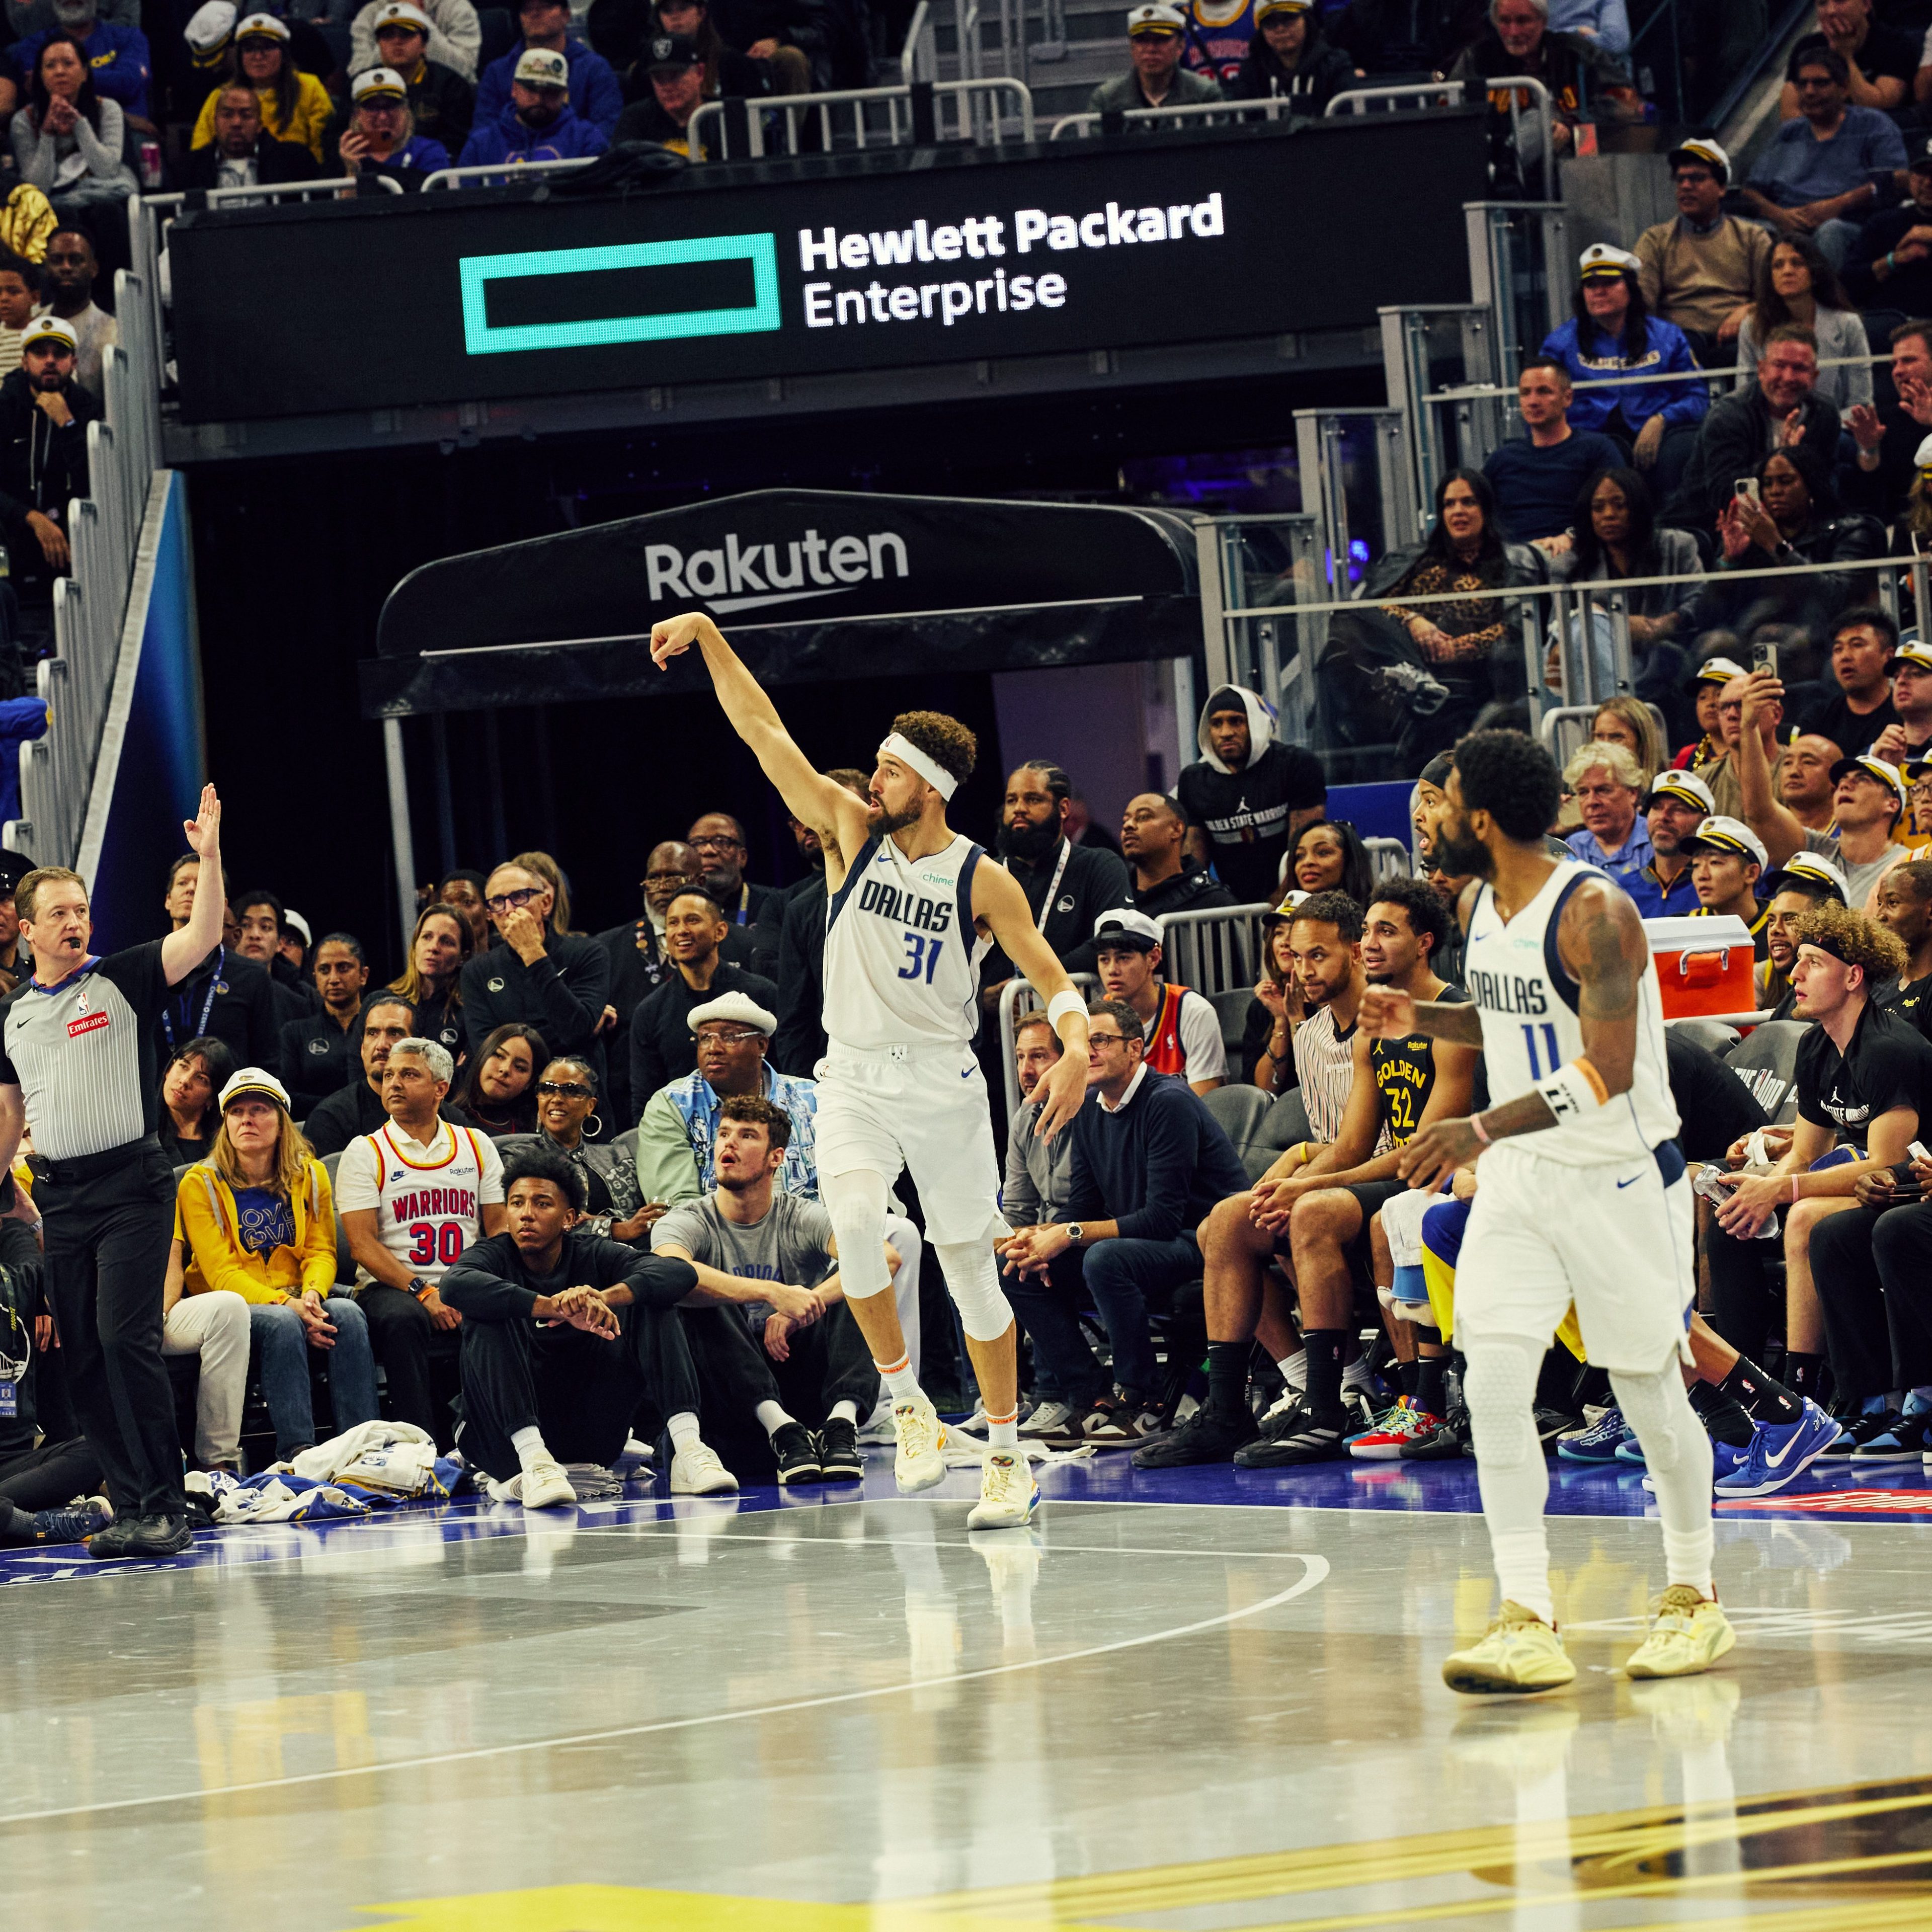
x: 77, y: 1066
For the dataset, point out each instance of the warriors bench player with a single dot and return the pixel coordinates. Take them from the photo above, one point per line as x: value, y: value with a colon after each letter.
x: 908, y: 921
x: 1584, y: 1199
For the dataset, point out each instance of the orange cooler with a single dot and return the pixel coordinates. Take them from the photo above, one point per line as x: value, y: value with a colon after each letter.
x: 1703, y: 965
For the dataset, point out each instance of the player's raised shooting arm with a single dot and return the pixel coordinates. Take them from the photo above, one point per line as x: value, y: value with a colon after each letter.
x: 812, y: 799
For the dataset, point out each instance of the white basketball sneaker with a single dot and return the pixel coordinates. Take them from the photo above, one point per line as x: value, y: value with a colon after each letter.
x: 546, y: 1486
x: 695, y: 1471
x: 920, y: 1461
x: 1008, y: 1494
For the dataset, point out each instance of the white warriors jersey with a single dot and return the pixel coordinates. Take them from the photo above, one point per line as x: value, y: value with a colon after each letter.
x: 1528, y: 1001
x: 429, y: 1211
x: 901, y: 958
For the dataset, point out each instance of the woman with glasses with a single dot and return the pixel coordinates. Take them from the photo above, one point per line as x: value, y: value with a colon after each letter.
x: 568, y: 1121
x: 439, y: 948
x: 498, y: 1091
x: 534, y: 973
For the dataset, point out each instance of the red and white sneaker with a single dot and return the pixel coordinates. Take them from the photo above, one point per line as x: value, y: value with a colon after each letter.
x: 1403, y: 1424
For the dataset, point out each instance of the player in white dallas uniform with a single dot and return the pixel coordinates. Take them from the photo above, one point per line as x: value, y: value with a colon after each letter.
x: 1583, y: 1198
x: 912, y: 907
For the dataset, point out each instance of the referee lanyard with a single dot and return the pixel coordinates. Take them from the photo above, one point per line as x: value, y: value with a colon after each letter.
x: 207, y: 1005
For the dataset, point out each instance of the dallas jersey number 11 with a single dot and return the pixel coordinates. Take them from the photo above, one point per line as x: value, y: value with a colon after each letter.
x: 1553, y: 1054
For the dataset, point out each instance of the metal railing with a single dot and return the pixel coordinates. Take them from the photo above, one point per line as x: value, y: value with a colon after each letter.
x: 857, y: 118
x: 1217, y: 951
x: 919, y: 58
x: 1423, y: 93
x: 1208, y: 112
x: 104, y: 531
x: 478, y: 171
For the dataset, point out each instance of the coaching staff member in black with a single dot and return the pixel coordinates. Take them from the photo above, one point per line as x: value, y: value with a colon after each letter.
x: 77, y: 1065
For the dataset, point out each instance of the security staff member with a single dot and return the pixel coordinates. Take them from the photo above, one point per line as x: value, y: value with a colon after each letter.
x: 77, y: 1064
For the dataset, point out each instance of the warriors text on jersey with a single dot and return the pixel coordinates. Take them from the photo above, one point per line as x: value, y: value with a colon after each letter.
x: 1528, y: 1003
x: 901, y: 956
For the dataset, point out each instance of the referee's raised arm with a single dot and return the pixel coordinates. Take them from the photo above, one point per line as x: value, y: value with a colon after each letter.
x: 183, y: 951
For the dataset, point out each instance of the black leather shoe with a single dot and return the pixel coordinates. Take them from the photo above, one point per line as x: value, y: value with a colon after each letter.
x: 142, y: 1537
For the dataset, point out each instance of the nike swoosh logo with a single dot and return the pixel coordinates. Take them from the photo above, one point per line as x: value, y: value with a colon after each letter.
x: 1631, y: 1183
x: 1777, y: 1461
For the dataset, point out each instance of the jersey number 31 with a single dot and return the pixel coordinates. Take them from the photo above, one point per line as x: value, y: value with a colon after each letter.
x: 922, y: 956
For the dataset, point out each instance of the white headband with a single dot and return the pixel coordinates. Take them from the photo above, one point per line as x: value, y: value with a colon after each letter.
x: 907, y: 753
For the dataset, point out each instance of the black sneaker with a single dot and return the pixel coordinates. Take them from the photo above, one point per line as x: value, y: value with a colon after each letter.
x: 1300, y: 1434
x: 840, y: 1458
x: 1206, y: 1436
x: 1448, y: 1440
x: 1855, y: 1432
x: 145, y: 1537
x: 1550, y: 1424
x: 792, y: 1444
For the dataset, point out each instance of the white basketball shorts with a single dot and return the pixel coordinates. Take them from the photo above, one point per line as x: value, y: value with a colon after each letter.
x: 922, y: 1108
x: 1615, y: 1239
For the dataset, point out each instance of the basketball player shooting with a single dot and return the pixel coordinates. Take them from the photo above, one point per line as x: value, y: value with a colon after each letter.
x: 1583, y: 1199
x: 912, y: 907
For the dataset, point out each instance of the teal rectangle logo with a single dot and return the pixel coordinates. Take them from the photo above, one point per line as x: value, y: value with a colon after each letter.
x: 481, y: 338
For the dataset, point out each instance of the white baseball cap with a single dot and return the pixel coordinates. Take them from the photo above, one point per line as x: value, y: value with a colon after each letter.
x: 400, y: 13
x: 542, y: 67
x: 1687, y: 788
x: 1720, y: 834
x: 261, y: 24
x: 1601, y: 258
x: 210, y: 27
x: 1124, y: 923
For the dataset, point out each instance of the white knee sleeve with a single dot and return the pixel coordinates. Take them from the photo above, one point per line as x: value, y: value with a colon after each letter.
x: 1677, y: 1452
x: 973, y: 1275
x: 856, y: 1203
x: 1500, y: 1389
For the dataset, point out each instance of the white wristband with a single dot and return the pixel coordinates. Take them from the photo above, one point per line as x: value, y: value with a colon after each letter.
x: 1061, y: 1004
x: 1571, y: 1092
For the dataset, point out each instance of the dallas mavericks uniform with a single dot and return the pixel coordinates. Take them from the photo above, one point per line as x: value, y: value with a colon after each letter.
x: 900, y: 1084
x: 1597, y: 1209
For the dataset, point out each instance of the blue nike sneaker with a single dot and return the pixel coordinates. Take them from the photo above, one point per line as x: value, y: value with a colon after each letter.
x: 1630, y: 1449
x: 1598, y: 1443
x: 1780, y: 1453
x: 1725, y: 1457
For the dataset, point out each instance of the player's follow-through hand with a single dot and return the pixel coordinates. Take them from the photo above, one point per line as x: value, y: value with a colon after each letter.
x: 1436, y: 1152
x: 1066, y: 1088
x: 675, y: 636
x: 1386, y: 1013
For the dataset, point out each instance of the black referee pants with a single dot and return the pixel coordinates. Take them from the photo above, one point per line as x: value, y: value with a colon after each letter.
x: 107, y: 1239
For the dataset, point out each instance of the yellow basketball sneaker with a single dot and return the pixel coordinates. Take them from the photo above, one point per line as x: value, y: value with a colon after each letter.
x: 920, y: 1461
x: 1688, y: 1634
x: 1519, y: 1652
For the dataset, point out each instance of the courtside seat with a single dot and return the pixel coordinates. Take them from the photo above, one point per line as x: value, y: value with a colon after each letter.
x: 1766, y: 1061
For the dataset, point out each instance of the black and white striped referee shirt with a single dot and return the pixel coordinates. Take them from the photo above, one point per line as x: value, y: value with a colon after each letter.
x: 82, y: 1053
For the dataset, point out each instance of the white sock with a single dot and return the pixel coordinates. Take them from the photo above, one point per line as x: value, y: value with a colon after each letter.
x: 1294, y: 1369
x: 1003, y: 1433
x: 772, y: 1416
x: 902, y: 1384
x: 845, y: 1411
x: 683, y: 1428
x: 529, y: 1444
x: 1355, y: 1375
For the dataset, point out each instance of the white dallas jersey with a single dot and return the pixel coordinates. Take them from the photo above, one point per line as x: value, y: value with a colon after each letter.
x: 901, y: 958
x: 1528, y: 1001
x: 428, y: 1212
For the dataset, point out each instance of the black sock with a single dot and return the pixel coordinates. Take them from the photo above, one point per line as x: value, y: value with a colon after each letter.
x: 1228, y: 1376
x: 1802, y: 1374
x: 17, y: 1526
x: 1724, y: 1420
x: 1325, y: 1347
x: 1407, y: 1372
x: 1430, y: 1386
x: 1765, y: 1400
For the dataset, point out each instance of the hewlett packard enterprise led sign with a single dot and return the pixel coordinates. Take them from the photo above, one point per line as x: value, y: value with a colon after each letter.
x: 745, y: 273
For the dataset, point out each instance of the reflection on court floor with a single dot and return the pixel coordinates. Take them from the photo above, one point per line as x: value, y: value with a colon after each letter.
x: 818, y: 1713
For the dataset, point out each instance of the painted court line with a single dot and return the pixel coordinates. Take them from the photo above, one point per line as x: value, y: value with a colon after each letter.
x: 1316, y: 1573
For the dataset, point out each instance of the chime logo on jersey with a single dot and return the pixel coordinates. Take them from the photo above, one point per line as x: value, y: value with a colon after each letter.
x: 902, y: 908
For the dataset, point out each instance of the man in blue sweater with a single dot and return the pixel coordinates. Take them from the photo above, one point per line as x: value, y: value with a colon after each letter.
x: 595, y: 94
x: 1149, y: 1161
x: 1538, y: 479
